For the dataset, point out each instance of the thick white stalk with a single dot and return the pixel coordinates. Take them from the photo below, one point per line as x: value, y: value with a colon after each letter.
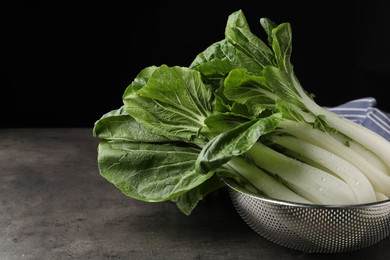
x: 366, y: 137
x: 368, y: 155
x: 264, y: 182
x: 358, y: 182
x: 309, y: 182
x: 381, y: 196
x: 379, y: 180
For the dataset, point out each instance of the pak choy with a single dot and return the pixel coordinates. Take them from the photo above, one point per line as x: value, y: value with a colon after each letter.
x: 237, y: 113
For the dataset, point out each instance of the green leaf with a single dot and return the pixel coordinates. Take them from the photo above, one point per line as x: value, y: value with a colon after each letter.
x: 282, y: 46
x: 222, y: 104
x: 234, y: 142
x: 150, y: 172
x: 220, y: 58
x: 280, y: 83
x: 249, y: 90
x: 268, y: 26
x: 118, y: 126
x: 216, y: 61
x: 289, y: 110
x: 238, y: 33
x: 180, y: 87
x: 141, y: 79
x: 220, y: 122
x: 189, y: 200
x: 240, y: 49
x: 174, y: 103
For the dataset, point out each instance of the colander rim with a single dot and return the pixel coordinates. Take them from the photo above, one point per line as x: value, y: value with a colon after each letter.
x: 237, y: 188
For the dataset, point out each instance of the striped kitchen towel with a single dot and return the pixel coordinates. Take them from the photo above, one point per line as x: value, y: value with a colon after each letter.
x: 364, y: 111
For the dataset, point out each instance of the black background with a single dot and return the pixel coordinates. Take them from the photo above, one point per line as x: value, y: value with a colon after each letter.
x: 65, y: 63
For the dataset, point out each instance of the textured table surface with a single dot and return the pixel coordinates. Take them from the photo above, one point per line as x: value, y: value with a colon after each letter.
x: 55, y: 205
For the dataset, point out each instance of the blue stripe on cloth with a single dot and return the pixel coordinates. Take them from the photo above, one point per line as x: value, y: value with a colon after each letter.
x: 377, y: 121
x: 364, y: 112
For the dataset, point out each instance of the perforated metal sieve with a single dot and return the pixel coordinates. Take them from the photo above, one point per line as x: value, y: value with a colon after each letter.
x: 313, y: 228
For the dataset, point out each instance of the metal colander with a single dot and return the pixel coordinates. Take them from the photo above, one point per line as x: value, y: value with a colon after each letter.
x: 313, y: 228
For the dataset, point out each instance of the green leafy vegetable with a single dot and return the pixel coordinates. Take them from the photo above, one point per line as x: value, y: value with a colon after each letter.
x: 237, y: 113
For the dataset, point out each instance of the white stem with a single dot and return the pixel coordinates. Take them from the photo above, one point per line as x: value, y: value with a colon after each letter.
x: 379, y: 180
x: 368, y: 138
x: 264, y: 182
x: 368, y: 155
x: 358, y: 182
x: 309, y: 182
x: 381, y: 196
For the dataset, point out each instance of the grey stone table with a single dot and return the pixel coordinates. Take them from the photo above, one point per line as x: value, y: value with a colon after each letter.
x: 55, y: 205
